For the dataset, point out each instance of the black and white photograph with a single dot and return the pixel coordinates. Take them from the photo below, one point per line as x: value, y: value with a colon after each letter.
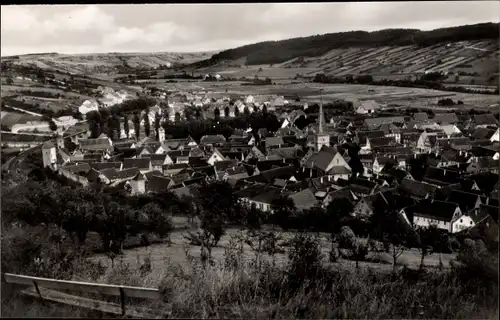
x: 302, y: 160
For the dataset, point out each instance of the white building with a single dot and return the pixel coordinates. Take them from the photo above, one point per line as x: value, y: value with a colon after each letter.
x: 87, y: 106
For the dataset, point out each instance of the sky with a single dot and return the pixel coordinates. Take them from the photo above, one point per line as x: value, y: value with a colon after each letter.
x: 209, y: 27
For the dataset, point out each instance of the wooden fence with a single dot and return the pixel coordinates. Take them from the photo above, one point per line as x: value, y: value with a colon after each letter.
x: 41, y: 285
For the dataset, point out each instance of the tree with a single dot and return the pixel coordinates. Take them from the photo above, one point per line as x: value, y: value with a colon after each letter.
x: 283, y: 211
x: 177, y: 117
x: 137, y: 125
x: 157, y: 125
x: 125, y: 125
x: 424, y: 243
x: 264, y: 109
x: 226, y: 112
x: 236, y: 112
x: 147, y: 125
x: 105, y: 114
x: 94, y: 119
x: 305, y: 259
x: 215, y: 213
x: 398, y: 235
x: 9, y: 80
x: 52, y: 125
x: 216, y: 114
x: 246, y: 111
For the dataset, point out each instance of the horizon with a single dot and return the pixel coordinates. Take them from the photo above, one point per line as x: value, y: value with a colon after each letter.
x: 179, y: 28
x: 212, y: 51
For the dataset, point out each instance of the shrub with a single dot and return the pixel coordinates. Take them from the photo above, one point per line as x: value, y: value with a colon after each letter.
x: 305, y: 259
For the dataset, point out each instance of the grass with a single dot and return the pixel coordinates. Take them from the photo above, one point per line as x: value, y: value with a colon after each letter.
x: 10, y: 118
x: 176, y: 254
x: 220, y: 291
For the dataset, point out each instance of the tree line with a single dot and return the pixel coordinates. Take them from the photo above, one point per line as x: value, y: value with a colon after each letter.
x: 427, y: 81
x: 271, y: 52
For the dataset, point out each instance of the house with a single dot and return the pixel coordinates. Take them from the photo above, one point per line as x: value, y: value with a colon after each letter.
x: 483, y: 121
x: 450, y: 130
x: 444, y: 215
x: 143, y: 164
x: 274, y: 142
x: 49, y: 155
x: 342, y: 193
x: 367, y: 106
x: 137, y: 185
x: 158, y: 184
x: 233, y: 174
x: 212, y: 140
x: 420, y: 117
x: 382, y: 162
x: 363, y: 136
x: 496, y: 136
x: 174, y: 169
x: 215, y: 157
x: 363, y: 187
x: 479, y: 164
x: 446, y: 118
x: 417, y: 189
x: 481, y: 133
x: 261, y: 197
x: 109, y: 175
x: 374, y: 143
x: 100, y: 145
x: 325, y: 160
x: 372, y: 123
x: 304, y: 200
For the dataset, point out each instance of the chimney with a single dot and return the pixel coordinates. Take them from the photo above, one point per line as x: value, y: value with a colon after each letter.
x: 321, y: 180
x: 444, y: 172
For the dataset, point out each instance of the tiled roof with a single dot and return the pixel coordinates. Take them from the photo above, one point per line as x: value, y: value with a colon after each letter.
x: 485, y: 119
x: 417, y: 188
x: 304, y: 199
x: 438, y: 210
x: 99, y: 166
x: 420, y: 116
x: 157, y: 183
x: 95, y: 144
x: 141, y: 163
x: 445, y: 118
x: 274, y: 141
x: 376, y: 122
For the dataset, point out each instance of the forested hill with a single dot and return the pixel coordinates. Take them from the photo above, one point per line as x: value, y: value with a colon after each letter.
x: 271, y: 52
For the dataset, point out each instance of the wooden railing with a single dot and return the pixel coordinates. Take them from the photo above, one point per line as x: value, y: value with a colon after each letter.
x: 74, y: 286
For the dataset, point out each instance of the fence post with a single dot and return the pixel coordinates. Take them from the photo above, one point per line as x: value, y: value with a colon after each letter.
x: 122, y: 300
x: 37, y: 289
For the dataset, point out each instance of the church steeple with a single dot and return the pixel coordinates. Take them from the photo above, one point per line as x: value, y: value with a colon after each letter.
x: 322, y: 139
x: 321, y: 117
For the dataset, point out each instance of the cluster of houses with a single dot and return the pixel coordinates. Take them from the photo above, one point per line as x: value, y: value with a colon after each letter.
x: 458, y: 188
x: 110, y: 97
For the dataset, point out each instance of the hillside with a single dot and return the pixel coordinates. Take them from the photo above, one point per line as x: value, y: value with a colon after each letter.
x: 105, y: 62
x: 468, y: 50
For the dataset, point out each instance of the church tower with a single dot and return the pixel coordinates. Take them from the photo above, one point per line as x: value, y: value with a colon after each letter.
x: 322, y: 139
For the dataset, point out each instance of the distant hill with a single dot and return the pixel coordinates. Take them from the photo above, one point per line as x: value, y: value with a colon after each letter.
x: 272, y: 52
x: 93, y: 63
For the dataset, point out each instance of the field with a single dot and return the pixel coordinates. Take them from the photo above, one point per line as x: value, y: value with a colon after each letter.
x: 10, y: 118
x: 163, y: 255
x: 309, y: 92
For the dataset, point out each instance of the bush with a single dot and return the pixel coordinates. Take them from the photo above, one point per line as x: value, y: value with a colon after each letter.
x: 305, y: 259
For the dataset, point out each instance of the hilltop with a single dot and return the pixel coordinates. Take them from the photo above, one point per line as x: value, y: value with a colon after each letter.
x: 470, y: 51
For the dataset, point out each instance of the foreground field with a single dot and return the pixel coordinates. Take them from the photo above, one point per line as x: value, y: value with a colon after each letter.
x: 164, y: 256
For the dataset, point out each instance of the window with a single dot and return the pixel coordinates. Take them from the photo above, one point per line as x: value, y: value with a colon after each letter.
x: 337, y: 161
x: 461, y: 220
x: 486, y: 224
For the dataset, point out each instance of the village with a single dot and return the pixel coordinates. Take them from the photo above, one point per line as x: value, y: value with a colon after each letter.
x: 365, y: 158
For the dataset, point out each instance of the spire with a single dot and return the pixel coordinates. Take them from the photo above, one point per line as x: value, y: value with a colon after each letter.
x: 321, y: 115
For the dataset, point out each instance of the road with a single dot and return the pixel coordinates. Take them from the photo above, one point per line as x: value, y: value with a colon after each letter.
x: 28, y: 134
x: 12, y: 165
